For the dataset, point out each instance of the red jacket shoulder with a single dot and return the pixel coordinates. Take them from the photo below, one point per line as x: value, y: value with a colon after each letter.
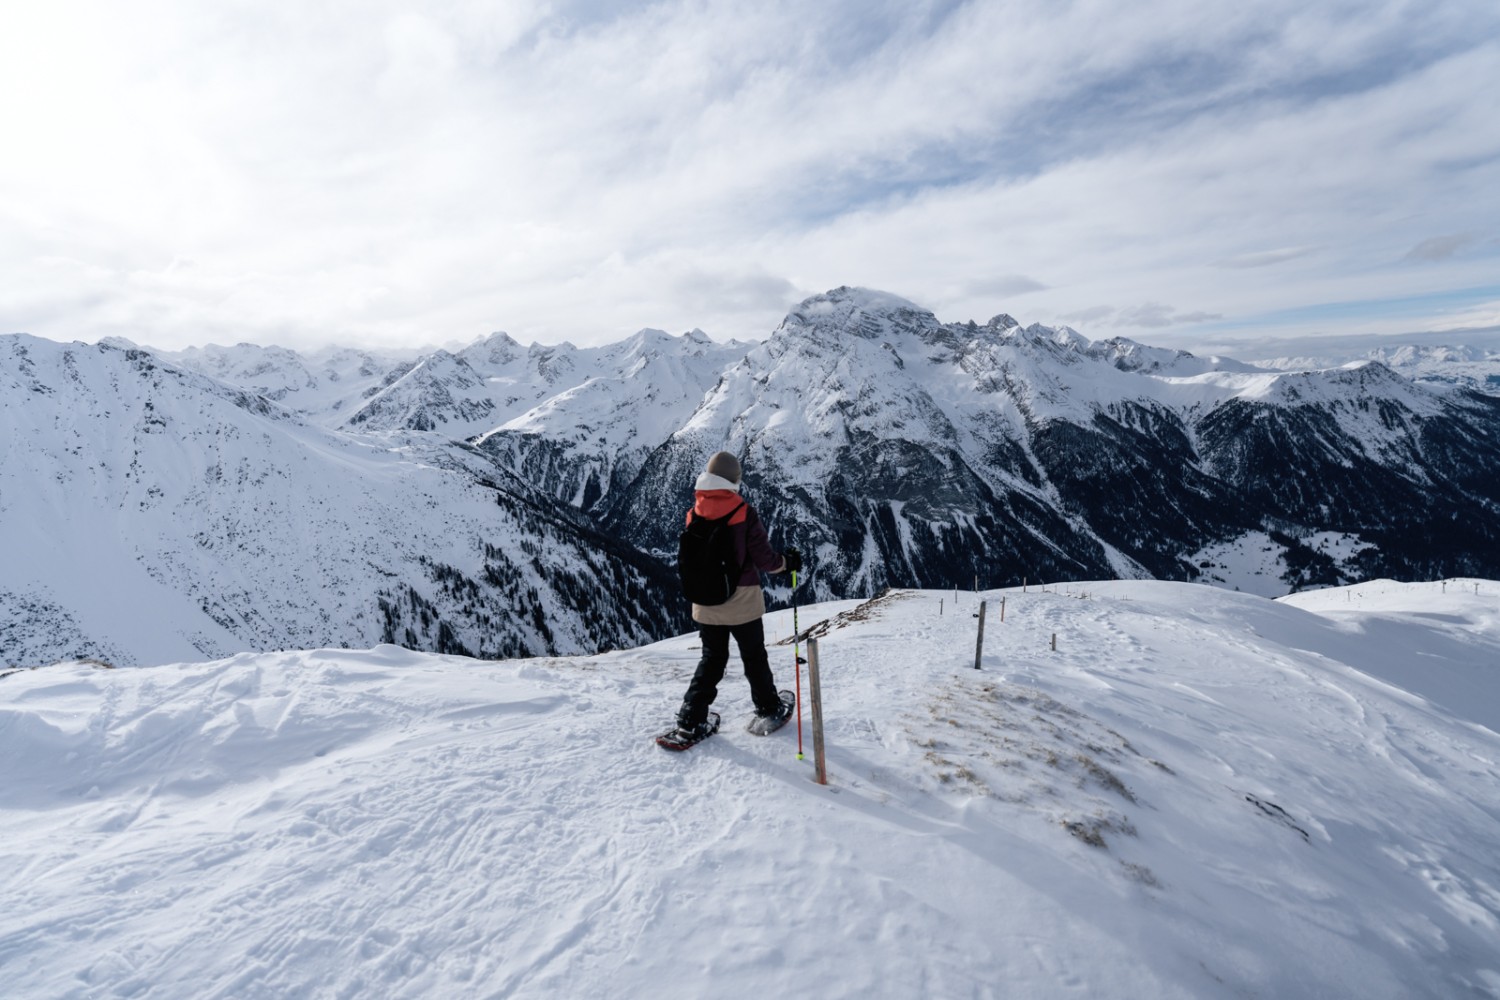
x: 717, y: 503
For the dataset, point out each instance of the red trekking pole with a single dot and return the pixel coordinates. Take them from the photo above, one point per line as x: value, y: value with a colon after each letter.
x: 797, y: 657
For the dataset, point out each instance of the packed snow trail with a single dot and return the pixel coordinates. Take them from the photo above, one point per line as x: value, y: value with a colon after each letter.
x: 1196, y: 795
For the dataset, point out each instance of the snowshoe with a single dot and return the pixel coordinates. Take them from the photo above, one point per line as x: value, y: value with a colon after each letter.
x: 678, y: 738
x: 765, y: 725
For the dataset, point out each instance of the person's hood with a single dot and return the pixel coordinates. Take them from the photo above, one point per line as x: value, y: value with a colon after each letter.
x: 709, y: 481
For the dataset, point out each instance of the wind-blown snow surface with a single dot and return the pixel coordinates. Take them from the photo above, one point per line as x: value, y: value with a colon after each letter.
x: 1199, y: 793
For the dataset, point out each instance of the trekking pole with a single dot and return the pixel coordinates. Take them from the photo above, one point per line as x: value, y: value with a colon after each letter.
x: 797, y: 657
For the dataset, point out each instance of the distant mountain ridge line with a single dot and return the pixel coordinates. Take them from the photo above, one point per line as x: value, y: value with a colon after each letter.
x: 895, y: 449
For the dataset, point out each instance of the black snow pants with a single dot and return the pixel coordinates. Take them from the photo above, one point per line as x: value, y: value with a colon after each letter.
x: 751, y: 640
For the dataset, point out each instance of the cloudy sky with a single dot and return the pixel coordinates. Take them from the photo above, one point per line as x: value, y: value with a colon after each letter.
x: 312, y: 171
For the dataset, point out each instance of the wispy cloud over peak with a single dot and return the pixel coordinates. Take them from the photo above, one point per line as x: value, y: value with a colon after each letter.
x: 1265, y: 258
x: 1003, y: 285
x: 1439, y: 248
x: 1154, y: 315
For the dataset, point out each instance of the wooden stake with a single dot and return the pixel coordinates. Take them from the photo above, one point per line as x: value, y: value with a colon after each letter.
x: 1054, y: 642
x: 979, y: 643
x: 1002, y: 609
x: 814, y: 691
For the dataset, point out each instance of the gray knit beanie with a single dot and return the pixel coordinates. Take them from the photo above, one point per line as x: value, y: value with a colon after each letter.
x: 725, y: 466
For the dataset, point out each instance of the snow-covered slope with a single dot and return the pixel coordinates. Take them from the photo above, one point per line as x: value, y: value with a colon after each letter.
x: 441, y: 392
x: 324, y: 386
x: 1198, y: 794
x: 151, y: 513
x: 591, y: 438
x: 496, y: 383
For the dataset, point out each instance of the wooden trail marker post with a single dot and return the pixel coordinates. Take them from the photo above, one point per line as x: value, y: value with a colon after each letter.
x: 979, y: 643
x: 814, y: 691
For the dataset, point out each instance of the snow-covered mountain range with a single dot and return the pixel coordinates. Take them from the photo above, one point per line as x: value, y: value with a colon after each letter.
x: 898, y: 448
x: 501, y: 498
x: 149, y: 513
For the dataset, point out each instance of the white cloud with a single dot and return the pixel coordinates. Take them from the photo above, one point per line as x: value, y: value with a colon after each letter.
x: 1154, y: 315
x: 402, y: 174
x: 1265, y: 258
x: 1442, y: 247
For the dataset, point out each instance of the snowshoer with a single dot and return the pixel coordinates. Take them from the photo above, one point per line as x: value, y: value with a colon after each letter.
x: 717, y: 494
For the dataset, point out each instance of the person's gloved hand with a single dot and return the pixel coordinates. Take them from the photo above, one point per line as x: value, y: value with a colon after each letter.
x: 793, y: 560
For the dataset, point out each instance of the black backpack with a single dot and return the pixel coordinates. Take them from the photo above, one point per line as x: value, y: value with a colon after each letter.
x: 706, y: 562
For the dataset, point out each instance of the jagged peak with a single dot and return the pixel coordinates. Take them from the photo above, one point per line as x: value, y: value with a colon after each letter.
x: 1002, y: 321
x: 497, y: 341
x: 497, y: 350
x: 1132, y: 355
x: 1060, y: 337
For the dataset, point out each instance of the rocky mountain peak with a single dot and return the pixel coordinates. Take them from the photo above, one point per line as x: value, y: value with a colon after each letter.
x: 495, y: 351
x: 856, y: 312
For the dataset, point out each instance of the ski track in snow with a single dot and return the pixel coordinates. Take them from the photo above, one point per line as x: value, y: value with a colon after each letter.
x: 1196, y: 794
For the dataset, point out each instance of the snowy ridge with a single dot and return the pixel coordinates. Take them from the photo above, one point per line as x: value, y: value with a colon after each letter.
x: 439, y: 390
x: 1199, y: 793
x: 592, y: 438
x: 1456, y: 366
x: 325, y: 384
x: 494, y: 382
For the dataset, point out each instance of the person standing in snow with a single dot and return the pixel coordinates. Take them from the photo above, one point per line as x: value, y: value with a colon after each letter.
x: 717, y: 493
